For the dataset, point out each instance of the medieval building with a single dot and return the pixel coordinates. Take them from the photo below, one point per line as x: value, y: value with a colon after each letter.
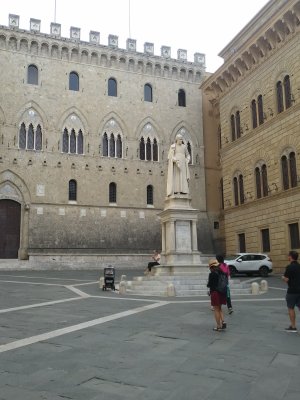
x: 252, y: 133
x: 84, y: 135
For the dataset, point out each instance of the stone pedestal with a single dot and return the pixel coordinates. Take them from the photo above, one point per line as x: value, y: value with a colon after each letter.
x: 179, y: 234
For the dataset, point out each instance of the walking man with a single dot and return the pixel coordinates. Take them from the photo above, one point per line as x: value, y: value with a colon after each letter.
x: 292, y: 278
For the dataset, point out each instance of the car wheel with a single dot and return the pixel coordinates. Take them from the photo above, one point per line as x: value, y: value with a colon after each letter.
x: 264, y: 271
x: 233, y: 270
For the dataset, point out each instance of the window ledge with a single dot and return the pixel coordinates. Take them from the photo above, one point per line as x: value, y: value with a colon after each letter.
x: 113, y: 204
x: 72, y: 202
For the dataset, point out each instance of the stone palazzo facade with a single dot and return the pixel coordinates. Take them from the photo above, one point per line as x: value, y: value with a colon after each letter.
x: 252, y: 109
x: 84, y: 134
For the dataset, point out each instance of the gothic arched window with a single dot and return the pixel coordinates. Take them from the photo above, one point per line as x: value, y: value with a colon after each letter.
x: 142, y: 149
x: 105, y: 145
x: 279, y: 95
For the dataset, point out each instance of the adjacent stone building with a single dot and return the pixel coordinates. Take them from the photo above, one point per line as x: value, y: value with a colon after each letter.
x: 252, y: 135
x: 84, y: 134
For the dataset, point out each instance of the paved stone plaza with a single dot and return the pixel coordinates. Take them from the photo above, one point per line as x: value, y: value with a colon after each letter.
x: 61, y: 337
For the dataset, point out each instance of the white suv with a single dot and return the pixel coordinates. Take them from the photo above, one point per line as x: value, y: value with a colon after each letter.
x: 249, y: 263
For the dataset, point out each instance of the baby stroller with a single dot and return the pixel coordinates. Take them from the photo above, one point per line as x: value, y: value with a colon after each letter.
x: 109, y: 278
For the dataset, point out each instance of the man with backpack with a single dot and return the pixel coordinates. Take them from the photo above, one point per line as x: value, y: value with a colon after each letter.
x: 224, y: 267
x: 217, y: 284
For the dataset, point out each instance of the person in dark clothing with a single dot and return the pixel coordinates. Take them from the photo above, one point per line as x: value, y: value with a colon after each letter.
x: 216, y: 298
x: 156, y: 260
x: 292, y: 278
x: 224, y: 267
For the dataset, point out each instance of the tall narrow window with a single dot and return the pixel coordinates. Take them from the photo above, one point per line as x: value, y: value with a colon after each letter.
x: 32, y: 75
x: 105, y: 145
x: 294, y: 236
x: 265, y: 240
x: 241, y: 189
x: 30, y: 138
x: 65, y: 142
x: 155, y: 150
x: 74, y: 81
x: 264, y: 177
x: 119, y: 146
x: 293, y: 169
x: 72, y: 190
x: 238, y: 124
x: 235, y: 191
x: 242, y: 242
x: 38, y: 138
x: 260, y: 109
x: 148, y: 92
x: 254, y: 114
x: 148, y: 150
x: 112, y: 192
x: 181, y: 98
x: 279, y: 95
x: 73, y: 142
x: 80, y: 143
x: 285, y: 172
x: 142, y: 149
x: 112, y: 146
x: 112, y: 87
x: 232, y: 122
x: 149, y: 195
x: 287, y: 91
x: 22, y: 137
x: 222, y: 193
x: 258, y: 182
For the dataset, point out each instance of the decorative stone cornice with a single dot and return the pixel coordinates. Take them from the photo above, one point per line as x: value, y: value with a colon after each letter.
x: 278, y: 21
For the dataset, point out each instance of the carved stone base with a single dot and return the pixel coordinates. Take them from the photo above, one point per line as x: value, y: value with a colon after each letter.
x: 179, y: 232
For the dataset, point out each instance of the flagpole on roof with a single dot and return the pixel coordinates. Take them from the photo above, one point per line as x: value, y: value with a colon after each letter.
x: 129, y: 18
x: 54, y: 10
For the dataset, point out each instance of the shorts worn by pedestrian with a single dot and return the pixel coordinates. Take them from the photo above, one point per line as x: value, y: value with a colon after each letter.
x: 217, y: 298
x: 292, y: 278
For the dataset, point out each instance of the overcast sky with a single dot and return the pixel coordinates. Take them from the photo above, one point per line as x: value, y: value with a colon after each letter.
x: 198, y: 26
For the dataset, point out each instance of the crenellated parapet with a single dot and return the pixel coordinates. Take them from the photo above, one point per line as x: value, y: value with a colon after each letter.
x: 254, y: 45
x: 93, y: 52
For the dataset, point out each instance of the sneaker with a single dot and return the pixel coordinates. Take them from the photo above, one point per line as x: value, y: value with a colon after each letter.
x: 291, y: 329
x: 230, y: 310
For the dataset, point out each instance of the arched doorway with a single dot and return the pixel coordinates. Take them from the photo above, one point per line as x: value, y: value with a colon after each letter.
x: 10, y: 222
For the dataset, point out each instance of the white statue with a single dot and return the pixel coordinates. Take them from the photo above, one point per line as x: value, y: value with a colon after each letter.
x: 178, y: 168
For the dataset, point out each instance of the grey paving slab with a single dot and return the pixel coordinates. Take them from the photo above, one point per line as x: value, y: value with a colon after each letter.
x: 166, y: 353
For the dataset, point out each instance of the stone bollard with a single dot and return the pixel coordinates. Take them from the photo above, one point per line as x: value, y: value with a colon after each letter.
x: 101, y: 282
x: 171, y: 290
x: 254, y: 288
x: 264, y: 286
x: 122, y: 287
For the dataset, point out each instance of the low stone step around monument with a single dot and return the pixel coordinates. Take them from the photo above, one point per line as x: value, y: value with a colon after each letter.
x: 195, y: 285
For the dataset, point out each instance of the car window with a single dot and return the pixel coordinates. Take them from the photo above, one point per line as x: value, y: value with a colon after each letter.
x: 258, y: 257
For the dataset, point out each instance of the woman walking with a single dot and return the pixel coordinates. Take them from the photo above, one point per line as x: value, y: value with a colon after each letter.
x: 217, y: 298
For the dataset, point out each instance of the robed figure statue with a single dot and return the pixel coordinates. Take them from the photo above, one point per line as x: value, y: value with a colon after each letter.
x: 178, y: 168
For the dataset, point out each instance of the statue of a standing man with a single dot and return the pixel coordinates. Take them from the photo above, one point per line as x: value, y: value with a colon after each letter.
x: 178, y: 168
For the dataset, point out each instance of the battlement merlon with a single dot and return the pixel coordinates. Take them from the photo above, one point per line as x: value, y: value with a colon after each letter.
x: 94, y: 39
